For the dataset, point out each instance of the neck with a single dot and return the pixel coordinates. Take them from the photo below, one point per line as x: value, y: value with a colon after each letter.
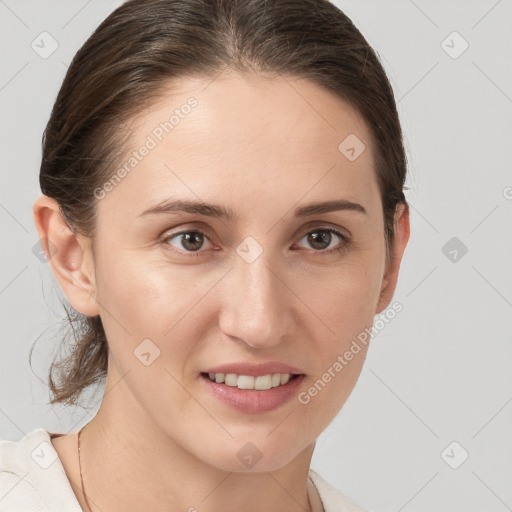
x: 129, y: 464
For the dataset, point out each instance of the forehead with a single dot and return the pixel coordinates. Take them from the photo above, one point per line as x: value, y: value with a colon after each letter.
x: 232, y: 135
x: 254, y: 109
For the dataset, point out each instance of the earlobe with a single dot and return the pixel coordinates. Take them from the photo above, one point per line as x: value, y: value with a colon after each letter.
x: 68, y: 254
x: 401, y: 237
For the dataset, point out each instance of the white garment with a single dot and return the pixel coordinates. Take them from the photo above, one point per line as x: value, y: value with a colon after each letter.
x: 32, y: 479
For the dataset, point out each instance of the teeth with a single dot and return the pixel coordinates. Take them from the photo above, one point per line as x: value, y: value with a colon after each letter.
x: 263, y: 382
x: 230, y: 379
x: 245, y: 382
x: 260, y: 383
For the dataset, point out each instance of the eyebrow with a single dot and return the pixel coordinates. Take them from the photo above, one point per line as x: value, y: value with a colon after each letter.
x: 219, y: 211
x: 328, y: 206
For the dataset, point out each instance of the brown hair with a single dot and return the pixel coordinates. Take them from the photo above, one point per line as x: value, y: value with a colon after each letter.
x: 133, y: 54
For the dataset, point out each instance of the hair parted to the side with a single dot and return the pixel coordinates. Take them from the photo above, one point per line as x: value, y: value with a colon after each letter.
x: 137, y: 51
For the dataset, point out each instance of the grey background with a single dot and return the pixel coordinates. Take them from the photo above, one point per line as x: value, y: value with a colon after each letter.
x: 440, y: 371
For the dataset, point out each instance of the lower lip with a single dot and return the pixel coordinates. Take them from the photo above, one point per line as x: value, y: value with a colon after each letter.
x: 252, y: 400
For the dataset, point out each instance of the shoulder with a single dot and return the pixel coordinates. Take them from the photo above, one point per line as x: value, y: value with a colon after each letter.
x: 332, y: 499
x: 32, y: 476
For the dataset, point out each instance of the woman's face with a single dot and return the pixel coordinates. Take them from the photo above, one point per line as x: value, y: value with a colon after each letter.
x: 255, y: 282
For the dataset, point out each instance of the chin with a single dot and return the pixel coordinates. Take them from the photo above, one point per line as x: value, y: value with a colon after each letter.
x: 252, y: 453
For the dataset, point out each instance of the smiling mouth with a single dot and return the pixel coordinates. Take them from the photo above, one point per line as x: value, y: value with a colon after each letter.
x: 259, y: 383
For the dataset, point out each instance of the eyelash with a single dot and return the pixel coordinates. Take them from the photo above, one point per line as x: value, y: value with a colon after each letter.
x: 346, y: 241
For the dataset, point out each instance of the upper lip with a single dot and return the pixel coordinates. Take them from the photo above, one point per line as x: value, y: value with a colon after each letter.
x: 254, y: 369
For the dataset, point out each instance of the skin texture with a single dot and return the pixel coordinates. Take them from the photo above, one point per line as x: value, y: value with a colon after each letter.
x: 262, y: 148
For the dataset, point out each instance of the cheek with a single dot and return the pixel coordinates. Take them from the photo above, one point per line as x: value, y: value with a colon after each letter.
x: 143, y: 299
x: 142, y: 294
x: 346, y: 311
x: 345, y: 298
x: 325, y: 393
x: 345, y: 306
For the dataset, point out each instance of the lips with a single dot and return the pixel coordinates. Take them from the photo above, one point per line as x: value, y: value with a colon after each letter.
x: 253, y: 388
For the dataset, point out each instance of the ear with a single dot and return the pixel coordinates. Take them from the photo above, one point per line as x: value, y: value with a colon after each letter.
x: 401, y: 237
x: 70, y: 256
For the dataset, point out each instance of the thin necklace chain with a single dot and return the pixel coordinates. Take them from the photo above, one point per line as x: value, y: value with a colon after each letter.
x: 81, y: 477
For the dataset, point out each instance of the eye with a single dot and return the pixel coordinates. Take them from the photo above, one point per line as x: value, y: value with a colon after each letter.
x: 323, y: 240
x: 187, y: 241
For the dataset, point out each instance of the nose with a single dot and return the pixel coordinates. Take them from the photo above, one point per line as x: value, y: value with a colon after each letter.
x: 255, y: 304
